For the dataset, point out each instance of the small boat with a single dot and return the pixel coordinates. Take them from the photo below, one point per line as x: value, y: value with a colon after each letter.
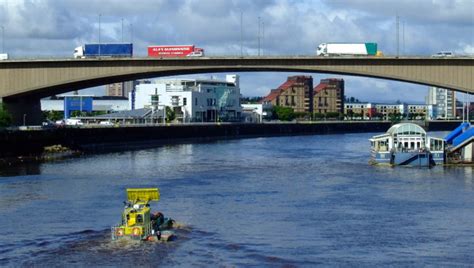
x: 406, y: 144
x: 138, y: 222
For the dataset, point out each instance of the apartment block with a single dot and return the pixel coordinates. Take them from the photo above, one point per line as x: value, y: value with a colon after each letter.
x: 296, y: 93
x: 328, y: 96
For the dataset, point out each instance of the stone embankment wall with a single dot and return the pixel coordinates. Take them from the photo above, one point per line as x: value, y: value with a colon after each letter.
x: 14, y: 143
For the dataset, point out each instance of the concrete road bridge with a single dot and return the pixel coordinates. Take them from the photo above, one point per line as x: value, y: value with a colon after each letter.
x: 24, y: 82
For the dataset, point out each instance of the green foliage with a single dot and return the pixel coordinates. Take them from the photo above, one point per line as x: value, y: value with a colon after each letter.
x: 352, y: 100
x: 78, y: 113
x: 170, y: 114
x: 395, y: 118
x: 58, y: 115
x: 302, y: 115
x: 377, y: 116
x: 53, y: 115
x: 332, y: 115
x: 350, y: 114
x: 252, y: 100
x: 5, y: 117
x: 283, y: 113
x: 318, y: 116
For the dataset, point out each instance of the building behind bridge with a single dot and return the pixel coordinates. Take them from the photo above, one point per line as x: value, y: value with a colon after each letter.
x: 328, y: 96
x: 443, y: 101
x: 295, y: 93
x: 192, y: 100
x: 298, y: 93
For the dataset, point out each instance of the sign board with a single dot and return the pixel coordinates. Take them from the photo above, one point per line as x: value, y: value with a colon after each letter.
x: 77, y: 103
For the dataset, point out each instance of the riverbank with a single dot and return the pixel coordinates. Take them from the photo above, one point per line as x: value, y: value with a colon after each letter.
x: 31, y: 144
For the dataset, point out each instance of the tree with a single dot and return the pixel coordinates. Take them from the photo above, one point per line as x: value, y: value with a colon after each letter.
x: 318, y: 116
x: 395, y: 117
x: 302, y: 115
x: 170, y: 114
x: 78, y: 113
x: 332, y: 115
x: 350, y: 114
x: 252, y: 100
x: 5, y: 117
x: 53, y: 115
x: 283, y: 113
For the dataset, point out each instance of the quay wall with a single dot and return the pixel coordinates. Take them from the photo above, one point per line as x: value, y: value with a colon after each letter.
x: 31, y: 142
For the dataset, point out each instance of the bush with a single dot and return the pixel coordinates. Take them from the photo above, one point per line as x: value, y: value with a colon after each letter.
x: 332, y: 115
x: 5, y: 117
x: 318, y: 116
x: 283, y: 113
x: 170, y: 114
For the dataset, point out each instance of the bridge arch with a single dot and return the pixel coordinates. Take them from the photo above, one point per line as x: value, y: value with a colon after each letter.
x: 23, y: 83
x: 52, y: 77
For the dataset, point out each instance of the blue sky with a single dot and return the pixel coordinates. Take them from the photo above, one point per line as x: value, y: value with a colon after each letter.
x: 52, y: 28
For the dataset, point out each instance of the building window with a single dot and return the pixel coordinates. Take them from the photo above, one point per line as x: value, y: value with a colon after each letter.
x: 195, y: 101
x: 184, y: 101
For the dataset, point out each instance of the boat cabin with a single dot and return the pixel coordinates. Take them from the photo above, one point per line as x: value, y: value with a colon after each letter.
x: 406, y: 140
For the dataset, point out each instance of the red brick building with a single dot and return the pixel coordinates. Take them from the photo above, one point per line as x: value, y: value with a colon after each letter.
x: 296, y: 93
x: 328, y: 96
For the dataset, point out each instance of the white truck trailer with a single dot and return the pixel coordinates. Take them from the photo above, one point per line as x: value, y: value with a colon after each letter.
x: 347, y: 49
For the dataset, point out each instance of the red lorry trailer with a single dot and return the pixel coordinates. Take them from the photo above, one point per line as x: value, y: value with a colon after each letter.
x: 175, y: 51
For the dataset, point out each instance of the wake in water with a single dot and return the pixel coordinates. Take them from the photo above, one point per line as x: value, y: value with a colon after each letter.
x: 96, y: 248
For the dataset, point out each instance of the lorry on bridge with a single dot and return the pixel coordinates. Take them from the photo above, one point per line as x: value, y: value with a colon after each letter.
x: 178, y: 51
x: 104, y: 50
x: 348, y: 49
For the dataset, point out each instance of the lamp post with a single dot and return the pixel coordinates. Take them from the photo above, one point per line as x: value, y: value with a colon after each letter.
x: 263, y: 35
x: 122, y: 30
x: 202, y: 114
x: 100, y: 15
x: 3, y: 39
x: 241, y: 34
x: 258, y: 36
x: 398, y: 35
x: 24, y: 119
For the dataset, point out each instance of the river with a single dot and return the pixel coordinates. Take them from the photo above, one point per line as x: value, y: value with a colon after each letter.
x: 279, y: 201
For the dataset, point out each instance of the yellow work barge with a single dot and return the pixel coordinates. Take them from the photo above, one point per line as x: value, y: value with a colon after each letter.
x: 136, y: 222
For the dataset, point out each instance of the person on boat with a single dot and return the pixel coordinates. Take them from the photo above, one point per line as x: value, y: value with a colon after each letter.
x: 157, y: 220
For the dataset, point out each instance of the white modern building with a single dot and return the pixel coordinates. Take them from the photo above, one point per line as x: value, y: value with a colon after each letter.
x: 391, y: 109
x: 443, y: 101
x: 256, y: 113
x: 192, y: 100
x: 359, y: 110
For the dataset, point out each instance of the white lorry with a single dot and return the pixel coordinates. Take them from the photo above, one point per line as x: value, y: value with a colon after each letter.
x: 348, y: 49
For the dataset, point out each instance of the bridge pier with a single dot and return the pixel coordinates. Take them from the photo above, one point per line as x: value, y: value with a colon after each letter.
x: 24, y: 110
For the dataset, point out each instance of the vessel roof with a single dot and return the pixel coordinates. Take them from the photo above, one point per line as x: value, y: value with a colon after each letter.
x: 406, y: 129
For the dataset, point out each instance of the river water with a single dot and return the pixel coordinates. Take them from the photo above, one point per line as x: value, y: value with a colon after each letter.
x: 280, y: 201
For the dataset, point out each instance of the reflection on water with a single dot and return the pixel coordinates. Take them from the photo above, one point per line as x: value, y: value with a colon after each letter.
x: 20, y: 170
x: 301, y: 201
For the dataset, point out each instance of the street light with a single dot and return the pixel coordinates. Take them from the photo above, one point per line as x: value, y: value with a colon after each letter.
x: 100, y: 15
x: 241, y: 34
x: 258, y: 37
x: 202, y: 114
x: 3, y: 39
x: 24, y: 119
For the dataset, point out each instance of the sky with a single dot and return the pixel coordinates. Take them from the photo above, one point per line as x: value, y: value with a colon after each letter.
x: 53, y: 28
